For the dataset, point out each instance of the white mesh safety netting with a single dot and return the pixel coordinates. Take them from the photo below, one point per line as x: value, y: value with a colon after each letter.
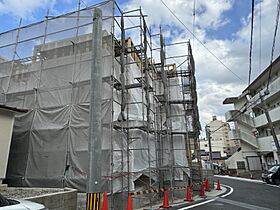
x: 45, y: 68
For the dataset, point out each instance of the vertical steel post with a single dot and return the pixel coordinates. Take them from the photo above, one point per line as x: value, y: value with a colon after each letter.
x: 13, y: 61
x: 208, y: 136
x: 95, y: 129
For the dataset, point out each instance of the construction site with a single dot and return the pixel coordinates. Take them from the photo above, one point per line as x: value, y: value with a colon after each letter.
x: 101, y: 64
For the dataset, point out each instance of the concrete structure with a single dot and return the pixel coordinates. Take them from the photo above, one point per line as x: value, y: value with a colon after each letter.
x: 7, y: 115
x: 66, y: 199
x: 51, y: 198
x: 220, y: 141
x: 251, y: 125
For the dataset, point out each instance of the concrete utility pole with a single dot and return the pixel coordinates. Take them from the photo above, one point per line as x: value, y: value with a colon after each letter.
x: 95, y: 129
x: 270, y: 125
x: 208, y: 136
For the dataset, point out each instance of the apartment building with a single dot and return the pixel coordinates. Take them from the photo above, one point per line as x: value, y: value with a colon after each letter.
x: 251, y: 125
x: 220, y: 141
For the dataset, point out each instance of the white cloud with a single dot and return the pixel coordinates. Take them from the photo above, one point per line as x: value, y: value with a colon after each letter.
x: 27, y: 8
x: 210, y: 96
x: 24, y: 8
x: 214, y: 81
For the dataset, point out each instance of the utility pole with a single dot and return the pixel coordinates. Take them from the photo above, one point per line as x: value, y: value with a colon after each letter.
x: 208, y: 136
x: 95, y: 129
x: 270, y: 124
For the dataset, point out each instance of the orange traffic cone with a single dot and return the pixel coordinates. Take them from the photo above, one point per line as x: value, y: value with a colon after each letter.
x: 207, y: 187
x: 105, y: 202
x: 129, y: 202
x: 218, y: 185
x: 238, y: 174
x: 202, y: 193
x: 189, y: 195
x: 165, y: 201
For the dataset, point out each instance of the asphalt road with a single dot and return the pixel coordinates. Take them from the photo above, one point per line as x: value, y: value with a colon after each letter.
x: 246, y: 195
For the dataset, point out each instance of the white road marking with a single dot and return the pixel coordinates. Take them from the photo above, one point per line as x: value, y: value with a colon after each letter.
x: 240, y: 179
x: 231, y: 191
x: 271, y: 185
x: 211, y: 200
x: 246, y: 180
x: 198, y: 204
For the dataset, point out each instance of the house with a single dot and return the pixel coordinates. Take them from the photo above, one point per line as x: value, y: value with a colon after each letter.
x: 7, y: 115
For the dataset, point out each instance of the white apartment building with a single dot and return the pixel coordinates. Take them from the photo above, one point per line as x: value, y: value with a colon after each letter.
x: 251, y: 125
x: 220, y: 141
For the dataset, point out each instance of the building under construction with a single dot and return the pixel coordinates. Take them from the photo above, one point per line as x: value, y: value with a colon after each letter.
x: 150, y: 121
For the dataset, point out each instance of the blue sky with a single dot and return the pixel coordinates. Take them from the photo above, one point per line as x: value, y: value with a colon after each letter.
x: 240, y: 9
x: 222, y: 25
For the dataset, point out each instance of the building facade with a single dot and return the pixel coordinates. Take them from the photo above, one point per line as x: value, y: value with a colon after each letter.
x: 220, y: 141
x: 251, y: 125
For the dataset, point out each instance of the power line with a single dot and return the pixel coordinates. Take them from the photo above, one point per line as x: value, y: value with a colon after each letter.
x: 260, y: 38
x: 273, y: 43
x: 251, y: 41
x: 193, y: 21
x: 245, y: 106
x: 221, y: 62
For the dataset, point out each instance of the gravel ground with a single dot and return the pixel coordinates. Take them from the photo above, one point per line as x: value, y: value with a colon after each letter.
x: 19, y: 193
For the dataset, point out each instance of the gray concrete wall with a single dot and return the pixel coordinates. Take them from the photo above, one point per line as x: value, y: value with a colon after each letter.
x: 64, y: 200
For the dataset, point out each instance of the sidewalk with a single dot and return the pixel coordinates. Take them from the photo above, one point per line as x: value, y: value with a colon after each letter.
x: 178, y: 202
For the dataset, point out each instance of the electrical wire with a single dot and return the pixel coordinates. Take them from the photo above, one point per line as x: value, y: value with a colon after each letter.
x: 239, y: 112
x: 251, y: 42
x: 221, y: 62
x: 193, y: 21
x: 273, y: 43
x: 260, y: 38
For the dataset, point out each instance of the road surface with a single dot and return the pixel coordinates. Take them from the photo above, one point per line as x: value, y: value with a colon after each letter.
x: 245, y: 195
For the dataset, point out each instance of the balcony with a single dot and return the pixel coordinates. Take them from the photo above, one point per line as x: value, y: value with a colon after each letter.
x: 236, y: 115
x: 266, y: 144
x: 243, y: 136
x: 273, y: 88
x: 274, y: 115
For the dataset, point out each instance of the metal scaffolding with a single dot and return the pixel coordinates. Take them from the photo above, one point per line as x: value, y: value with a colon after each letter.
x: 149, y: 115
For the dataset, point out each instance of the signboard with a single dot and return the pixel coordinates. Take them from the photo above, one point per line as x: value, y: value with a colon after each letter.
x: 274, y: 146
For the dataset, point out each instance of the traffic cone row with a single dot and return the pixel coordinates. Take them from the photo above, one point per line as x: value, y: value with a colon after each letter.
x: 165, y: 204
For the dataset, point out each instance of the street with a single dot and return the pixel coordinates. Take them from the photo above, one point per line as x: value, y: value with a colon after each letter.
x: 245, y: 195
